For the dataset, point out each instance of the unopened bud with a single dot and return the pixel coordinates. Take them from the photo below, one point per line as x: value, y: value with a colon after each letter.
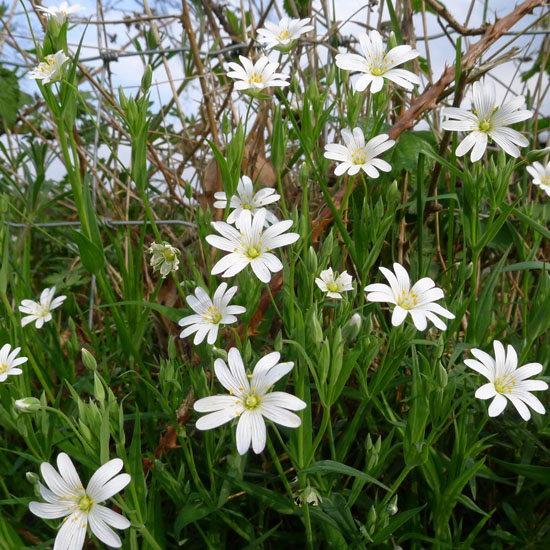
x: 537, y: 154
x: 146, y: 79
x: 89, y: 360
x: 28, y: 404
x: 352, y: 327
x: 32, y: 478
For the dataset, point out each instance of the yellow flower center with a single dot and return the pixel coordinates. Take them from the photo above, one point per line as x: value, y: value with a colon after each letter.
x: 44, y: 312
x: 485, y: 125
x: 283, y: 35
x: 252, y: 252
x: 332, y: 287
x: 3, y: 368
x: 85, y: 503
x: 216, y: 318
x: 169, y: 255
x: 252, y: 401
x: 407, y: 300
x: 505, y: 384
x: 545, y: 180
x: 256, y: 78
x: 377, y: 71
x: 359, y: 156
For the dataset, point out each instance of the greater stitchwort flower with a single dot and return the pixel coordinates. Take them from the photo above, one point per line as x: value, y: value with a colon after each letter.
x: 417, y: 301
x: 62, y: 13
x: 246, y: 199
x: 283, y: 36
x: 487, y: 120
x: 9, y: 362
x: 40, y: 311
x: 66, y: 498
x: 51, y: 69
x: 541, y: 176
x: 210, y: 314
x: 164, y: 258
x: 251, y: 245
x: 357, y: 155
x: 256, y: 76
x: 506, y: 381
x: 249, y: 400
x: 333, y: 284
x: 377, y: 64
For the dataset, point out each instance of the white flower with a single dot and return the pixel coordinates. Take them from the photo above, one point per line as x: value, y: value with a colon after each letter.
x: 357, y: 155
x: 9, y: 363
x: 164, y: 258
x: 333, y: 284
x: 51, y: 69
x: 249, y: 399
x: 81, y: 508
x: 251, y: 245
x: 283, y: 36
x: 541, y: 176
x: 506, y: 381
x: 256, y: 76
x: 418, y: 300
x: 210, y: 314
x: 40, y: 311
x: 487, y: 120
x: 61, y: 13
x: 245, y: 199
x: 377, y: 64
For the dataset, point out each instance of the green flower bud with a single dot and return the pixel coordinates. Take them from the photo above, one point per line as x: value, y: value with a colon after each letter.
x: 351, y: 328
x: 537, y: 154
x: 28, y: 404
x: 89, y: 360
x: 146, y: 79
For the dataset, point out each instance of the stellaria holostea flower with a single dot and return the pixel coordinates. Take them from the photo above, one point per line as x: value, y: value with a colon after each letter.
x: 246, y: 199
x: 51, y: 69
x: 377, y: 64
x: 541, y: 176
x: 210, y: 314
x: 283, y: 36
x: 9, y: 362
x: 251, y: 245
x: 506, y: 381
x: 61, y: 13
x: 487, y: 120
x: 417, y: 301
x: 250, y: 400
x: 256, y: 76
x: 164, y: 258
x: 357, y: 155
x: 66, y: 498
x: 40, y: 311
x: 333, y: 284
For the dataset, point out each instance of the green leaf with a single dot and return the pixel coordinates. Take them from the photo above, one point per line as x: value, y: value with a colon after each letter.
x: 9, y: 97
x: 408, y: 149
x: 91, y: 256
x: 330, y: 466
x: 394, y: 524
